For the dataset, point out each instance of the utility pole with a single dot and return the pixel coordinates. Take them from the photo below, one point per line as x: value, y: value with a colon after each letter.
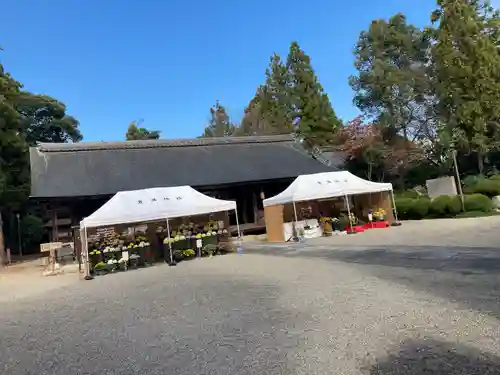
x: 19, y: 235
x: 457, y: 176
x: 3, y: 259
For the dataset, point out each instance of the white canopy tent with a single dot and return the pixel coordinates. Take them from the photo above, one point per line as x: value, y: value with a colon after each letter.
x: 326, y: 185
x: 149, y: 205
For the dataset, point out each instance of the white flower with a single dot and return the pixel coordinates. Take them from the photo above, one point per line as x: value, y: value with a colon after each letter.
x: 182, y: 237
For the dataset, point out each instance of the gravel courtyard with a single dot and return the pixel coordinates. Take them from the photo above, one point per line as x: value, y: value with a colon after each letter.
x: 423, y: 303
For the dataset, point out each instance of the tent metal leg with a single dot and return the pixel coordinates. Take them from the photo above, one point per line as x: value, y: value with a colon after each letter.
x: 237, y: 223
x: 348, y: 211
x: 295, y: 211
x: 85, y: 253
x: 394, y: 206
x: 171, y: 255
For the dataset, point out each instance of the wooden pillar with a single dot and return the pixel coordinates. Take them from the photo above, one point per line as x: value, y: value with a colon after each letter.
x: 55, y: 227
x: 3, y: 255
x: 255, y: 207
x: 274, y: 223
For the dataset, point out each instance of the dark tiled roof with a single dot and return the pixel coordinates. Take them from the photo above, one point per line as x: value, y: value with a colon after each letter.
x: 104, y: 168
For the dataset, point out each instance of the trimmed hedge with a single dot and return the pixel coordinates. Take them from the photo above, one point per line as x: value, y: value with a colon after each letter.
x: 477, y: 202
x: 441, y: 207
x: 480, y: 185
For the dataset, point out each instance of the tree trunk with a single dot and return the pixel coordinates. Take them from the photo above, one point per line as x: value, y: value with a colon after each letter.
x: 480, y: 163
x: 370, y: 171
x: 3, y: 255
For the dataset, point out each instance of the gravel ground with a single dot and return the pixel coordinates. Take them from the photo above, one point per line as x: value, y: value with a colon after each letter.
x: 248, y: 314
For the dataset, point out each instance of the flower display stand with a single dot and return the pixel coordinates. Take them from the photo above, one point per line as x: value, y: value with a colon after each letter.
x: 377, y: 224
x: 355, y: 229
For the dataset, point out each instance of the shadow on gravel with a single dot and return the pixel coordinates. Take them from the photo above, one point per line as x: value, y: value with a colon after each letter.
x: 438, y: 358
x: 464, y: 275
x: 470, y: 277
x: 459, y: 259
x: 160, y: 321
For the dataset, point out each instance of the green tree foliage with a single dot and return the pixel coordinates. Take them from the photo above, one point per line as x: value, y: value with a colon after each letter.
x: 254, y: 121
x: 220, y: 124
x: 313, y: 116
x: 467, y: 72
x: 291, y: 101
x: 275, y: 101
x: 392, y: 83
x: 137, y: 133
x: 270, y: 112
x: 13, y: 146
x: 25, y: 119
x: 45, y: 120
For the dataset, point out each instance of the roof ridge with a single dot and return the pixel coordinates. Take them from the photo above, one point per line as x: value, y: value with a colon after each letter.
x: 160, y: 143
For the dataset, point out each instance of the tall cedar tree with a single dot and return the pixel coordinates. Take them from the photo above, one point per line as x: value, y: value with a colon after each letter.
x: 220, y: 124
x: 275, y: 98
x: 255, y: 121
x: 270, y: 112
x: 312, y: 114
x: 392, y: 82
x: 467, y: 72
x: 137, y: 133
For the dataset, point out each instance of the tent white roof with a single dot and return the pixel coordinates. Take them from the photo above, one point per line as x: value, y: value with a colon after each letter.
x: 326, y: 185
x: 155, y: 204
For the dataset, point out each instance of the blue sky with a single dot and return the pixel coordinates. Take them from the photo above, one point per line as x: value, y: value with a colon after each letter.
x: 167, y: 62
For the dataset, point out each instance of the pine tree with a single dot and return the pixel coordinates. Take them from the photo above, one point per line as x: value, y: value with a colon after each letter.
x: 254, y: 121
x: 312, y: 114
x: 392, y: 77
x: 275, y: 98
x: 270, y: 112
x: 220, y: 124
x: 467, y: 73
x: 137, y: 133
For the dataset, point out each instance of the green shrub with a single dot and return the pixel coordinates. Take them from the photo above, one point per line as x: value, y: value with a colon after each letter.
x: 495, y: 177
x: 454, y: 206
x: 419, y: 208
x: 445, y: 206
x: 471, y: 180
x: 407, y: 194
x: 490, y: 188
x: 403, y: 206
x: 439, y: 206
x: 477, y: 202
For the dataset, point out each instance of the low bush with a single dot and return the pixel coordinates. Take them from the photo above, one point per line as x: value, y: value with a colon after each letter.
x: 439, y: 206
x: 478, y: 202
x: 454, y: 206
x: 403, y: 206
x: 406, y: 194
x: 442, y: 207
x: 488, y: 187
x: 419, y: 208
x: 445, y: 206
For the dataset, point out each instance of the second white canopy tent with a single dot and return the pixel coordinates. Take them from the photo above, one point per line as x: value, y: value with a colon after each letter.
x: 327, y: 185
